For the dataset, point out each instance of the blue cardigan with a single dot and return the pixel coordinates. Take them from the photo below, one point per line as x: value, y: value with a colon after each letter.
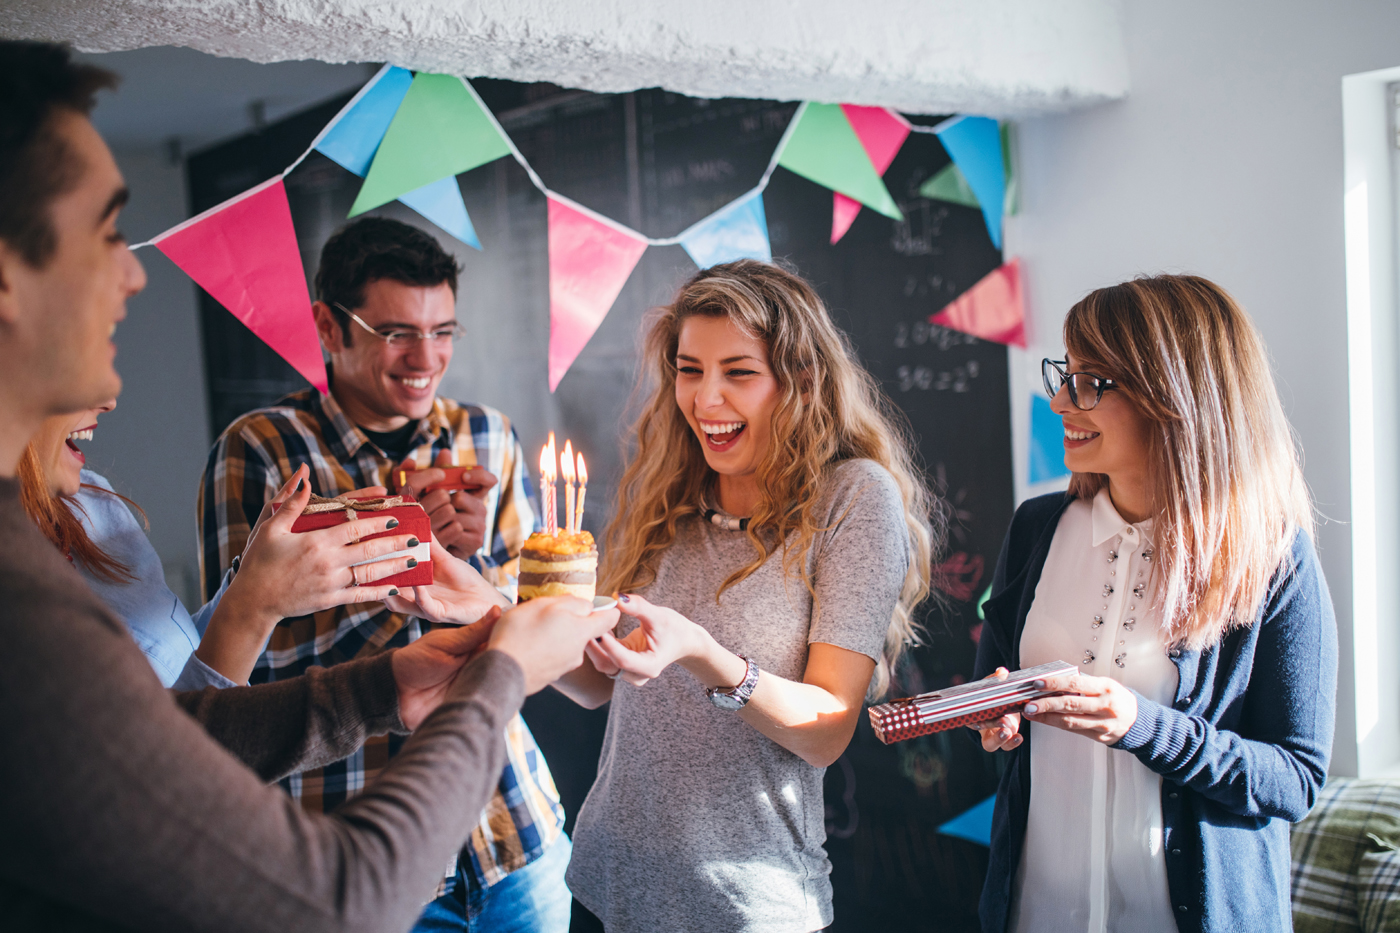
x: 1242, y: 750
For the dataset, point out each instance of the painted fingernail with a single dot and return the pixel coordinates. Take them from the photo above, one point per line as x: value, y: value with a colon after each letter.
x: 393, y: 591
x: 1032, y: 709
x: 412, y: 562
x: 391, y: 523
x: 625, y: 599
x: 1040, y: 685
x: 413, y: 541
x: 300, y: 483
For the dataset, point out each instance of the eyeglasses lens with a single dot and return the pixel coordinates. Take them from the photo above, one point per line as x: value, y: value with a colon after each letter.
x: 1084, y: 391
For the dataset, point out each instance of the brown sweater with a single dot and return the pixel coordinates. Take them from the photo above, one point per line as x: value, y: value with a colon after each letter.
x: 123, y: 806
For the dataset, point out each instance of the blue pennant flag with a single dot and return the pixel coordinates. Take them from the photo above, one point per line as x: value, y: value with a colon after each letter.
x: 441, y: 202
x: 974, y: 143
x: 354, y: 139
x: 739, y: 231
x: 1047, y: 442
x: 974, y: 825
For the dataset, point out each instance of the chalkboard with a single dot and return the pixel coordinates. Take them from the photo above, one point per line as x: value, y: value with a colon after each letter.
x: 658, y: 162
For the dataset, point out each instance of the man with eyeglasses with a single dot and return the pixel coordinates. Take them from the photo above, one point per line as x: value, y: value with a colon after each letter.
x: 386, y: 315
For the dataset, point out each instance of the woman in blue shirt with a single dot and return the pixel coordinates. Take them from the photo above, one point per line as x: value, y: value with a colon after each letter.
x: 279, y: 575
x: 1178, y: 573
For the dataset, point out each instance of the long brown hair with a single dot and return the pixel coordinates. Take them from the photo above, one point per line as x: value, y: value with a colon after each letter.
x: 830, y: 409
x: 1224, y: 482
x: 57, y: 518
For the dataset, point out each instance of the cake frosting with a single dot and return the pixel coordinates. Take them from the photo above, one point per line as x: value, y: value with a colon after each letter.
x: 559, y: 564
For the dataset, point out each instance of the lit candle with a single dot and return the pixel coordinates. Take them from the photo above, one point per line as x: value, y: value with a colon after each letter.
x: 552, y: 510
x: 544, y: 485
x: 582, y: 491
x: 566, y: 470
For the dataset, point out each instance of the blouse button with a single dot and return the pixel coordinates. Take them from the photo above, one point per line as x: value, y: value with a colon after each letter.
x: 1176, y: 851
x: 1182, y: 908
x: 1173, y: 795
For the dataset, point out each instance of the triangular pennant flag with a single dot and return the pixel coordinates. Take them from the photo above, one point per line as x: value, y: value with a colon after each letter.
x: 881, y: 132
x: 1008, y: 161
x: 244, y: 253
x: 844, y: 212
x: 1047, y: 448
x: 739, y: 231
x: 824, y: 148
x: 948, y: 184
x: 439, y: 130
x: 589, y: 262
x: 441, y: 202
x: 974, y: 143
x: 993, y: 309
x: 974, y: 825
x: 353, y: 139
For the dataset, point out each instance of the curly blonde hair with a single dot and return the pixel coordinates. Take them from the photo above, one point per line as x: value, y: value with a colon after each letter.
x: 829, y: 410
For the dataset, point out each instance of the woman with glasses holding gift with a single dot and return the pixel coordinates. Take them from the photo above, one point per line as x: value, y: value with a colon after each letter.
x: 1178, y: 573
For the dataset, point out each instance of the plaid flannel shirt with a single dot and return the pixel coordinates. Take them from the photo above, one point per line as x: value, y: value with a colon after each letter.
x: 252, y: 459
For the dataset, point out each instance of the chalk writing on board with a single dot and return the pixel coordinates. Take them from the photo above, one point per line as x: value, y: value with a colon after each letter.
x: 922, y: 224
x: 922, y: 333
x: 957, y: 379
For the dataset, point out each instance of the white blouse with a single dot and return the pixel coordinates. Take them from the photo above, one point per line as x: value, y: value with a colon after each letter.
x: 1093, y: 859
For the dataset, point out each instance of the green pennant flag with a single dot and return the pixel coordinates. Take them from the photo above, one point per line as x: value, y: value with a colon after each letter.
x: 948, y: 184
x: 439, y: 130
x: 825, y: 149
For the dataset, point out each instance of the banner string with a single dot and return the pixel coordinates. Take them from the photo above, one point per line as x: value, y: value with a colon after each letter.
x: 538, y: 182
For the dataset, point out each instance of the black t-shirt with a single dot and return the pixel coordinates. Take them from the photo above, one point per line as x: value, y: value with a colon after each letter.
x: 395, y: 444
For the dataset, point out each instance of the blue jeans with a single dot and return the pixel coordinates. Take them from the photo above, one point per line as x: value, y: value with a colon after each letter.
x: 533, y: 899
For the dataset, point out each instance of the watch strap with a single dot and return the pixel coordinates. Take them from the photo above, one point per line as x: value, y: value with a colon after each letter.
x: 736, y: 698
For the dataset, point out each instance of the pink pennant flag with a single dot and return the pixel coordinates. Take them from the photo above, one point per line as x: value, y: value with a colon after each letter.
x: 993, y: 309
x: 589, y: 262
x: 881, y: 132
x: 244, y: 253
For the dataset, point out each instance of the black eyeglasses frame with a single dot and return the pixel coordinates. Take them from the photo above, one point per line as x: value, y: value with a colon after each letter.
x: 1068, y: 379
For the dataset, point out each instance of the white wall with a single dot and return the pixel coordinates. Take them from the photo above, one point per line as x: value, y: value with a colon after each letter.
x: 152, y: 447
x: 1225, y: 160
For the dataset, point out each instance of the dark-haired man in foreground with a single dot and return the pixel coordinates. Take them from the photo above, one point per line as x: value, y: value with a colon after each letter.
x: 386, y: 313
x: 122, y: 806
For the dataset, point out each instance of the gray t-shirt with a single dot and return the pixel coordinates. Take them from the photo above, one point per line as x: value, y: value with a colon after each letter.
x: 697, y: 822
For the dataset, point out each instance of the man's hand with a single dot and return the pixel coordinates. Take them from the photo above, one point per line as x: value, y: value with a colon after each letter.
x: 426, y: 669
x: 458, y: 517
x: 546, y: 636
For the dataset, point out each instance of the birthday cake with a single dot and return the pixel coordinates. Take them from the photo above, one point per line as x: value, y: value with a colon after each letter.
x: 559, y: 564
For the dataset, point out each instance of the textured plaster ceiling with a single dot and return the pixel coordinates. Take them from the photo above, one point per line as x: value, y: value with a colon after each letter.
x: 996, y: 57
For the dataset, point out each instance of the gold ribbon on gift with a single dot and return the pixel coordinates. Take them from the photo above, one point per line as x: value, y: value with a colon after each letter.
x: 351, y: 506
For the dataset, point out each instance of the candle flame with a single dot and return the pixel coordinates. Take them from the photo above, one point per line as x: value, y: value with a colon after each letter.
x: 544, y: 463
x: 582, y: 471
x: 566, y: 462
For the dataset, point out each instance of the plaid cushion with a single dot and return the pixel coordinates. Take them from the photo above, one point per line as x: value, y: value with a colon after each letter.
x: 1346, y: 860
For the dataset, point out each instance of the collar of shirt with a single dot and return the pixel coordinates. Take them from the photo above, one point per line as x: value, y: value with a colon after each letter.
x: 345, y: 437
x: 1107, y: 522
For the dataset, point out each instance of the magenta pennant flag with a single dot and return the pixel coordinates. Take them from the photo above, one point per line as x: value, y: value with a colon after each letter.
x: 881, y: 132
x: 993, y: 309
x: 589, y: 262
x: 244, y: 253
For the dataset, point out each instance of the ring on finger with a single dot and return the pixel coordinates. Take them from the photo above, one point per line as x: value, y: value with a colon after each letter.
x: 354, y: 576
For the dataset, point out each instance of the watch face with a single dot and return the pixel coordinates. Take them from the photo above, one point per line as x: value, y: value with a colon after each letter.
x: 726, y: 702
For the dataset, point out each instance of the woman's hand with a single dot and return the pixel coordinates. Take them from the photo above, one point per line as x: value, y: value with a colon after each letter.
x: 458, y: 594
x: 662, y: 638
x: 1002, y: 734
x: 286, y: 574
x: 1098, y: 707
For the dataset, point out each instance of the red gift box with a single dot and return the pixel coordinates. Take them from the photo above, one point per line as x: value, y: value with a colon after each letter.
x: 323, y: 513
x: 456, y: 478
x: 963, y: 705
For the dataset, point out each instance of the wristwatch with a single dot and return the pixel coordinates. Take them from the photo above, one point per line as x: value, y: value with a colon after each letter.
x: 738, y: 697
